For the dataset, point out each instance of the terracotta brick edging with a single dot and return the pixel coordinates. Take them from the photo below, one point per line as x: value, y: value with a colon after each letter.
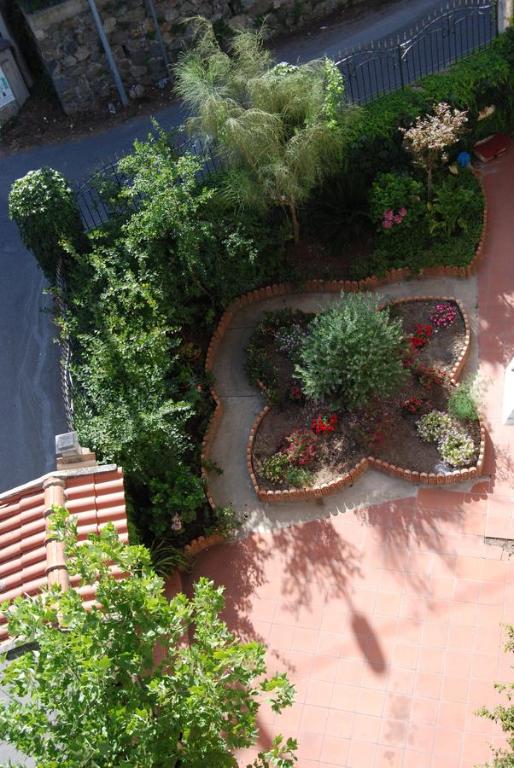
x: 337, y: 286
x: 430, y: 478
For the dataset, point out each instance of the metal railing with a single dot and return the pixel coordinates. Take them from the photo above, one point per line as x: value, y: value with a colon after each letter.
x: 65, y: 348
x: 94, y: 195
x: 445, y: 36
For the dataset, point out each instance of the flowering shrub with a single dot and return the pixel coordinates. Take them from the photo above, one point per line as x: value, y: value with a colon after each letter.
x: 434, y: 426
x: 274, y: 467
x: 289, y: 340
x: 412, y: 404
x: 431, y: 135
x: 443, y: 315
x: 322, y: 424
x: 421, y: 336
x: 295, y: 393
x: 391, y: 219
x: 457, y: 448
x: 302, y: 447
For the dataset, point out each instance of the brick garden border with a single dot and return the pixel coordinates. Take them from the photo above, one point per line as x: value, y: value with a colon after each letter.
x: 337, y: 286
x: 426, y: 478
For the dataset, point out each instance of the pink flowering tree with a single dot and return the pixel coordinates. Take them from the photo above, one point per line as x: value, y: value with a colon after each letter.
x: 430, y: 136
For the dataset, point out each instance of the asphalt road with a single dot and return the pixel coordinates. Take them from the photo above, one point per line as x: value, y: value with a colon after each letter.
x: 31, y: 409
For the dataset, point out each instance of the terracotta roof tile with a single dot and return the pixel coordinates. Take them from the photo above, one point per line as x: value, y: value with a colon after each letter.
x: 95, y: 497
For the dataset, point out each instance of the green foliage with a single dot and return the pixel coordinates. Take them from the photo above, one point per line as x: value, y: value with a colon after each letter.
x: 457, y: 448
x: 166, y: 558
x: 276, y: 467
x: 503, y: 715
x: 462, y: 403
x: 116, y: 685
x: 299, y: 477
x: 453, y: 205
x: 45, y: 210
x: 278, y: 127
x: 353, y: 353
x: 226, y: 521
x: 433, y: 426
x: 142, y: 300
x: 454, y: 445
x: 395, y: 191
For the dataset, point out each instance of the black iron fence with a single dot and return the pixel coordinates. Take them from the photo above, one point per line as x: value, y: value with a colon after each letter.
x: 445, y: 36
x: 449, y: 34
x: 98, y: 195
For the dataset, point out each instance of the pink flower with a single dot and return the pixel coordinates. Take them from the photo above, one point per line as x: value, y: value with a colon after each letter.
x: 388, y: 215
x: 387, y: 223
x: 402, y: 212
x: 398, y: 219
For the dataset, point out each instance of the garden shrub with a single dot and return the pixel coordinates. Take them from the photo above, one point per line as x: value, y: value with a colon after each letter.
x: 462, y: 403
x: 454, y: 445
x: 44, y: 207
x: 454, y: 205
x: 275, y: 467
x: 352, y: 353
x: 457, y: 449
x: 433, y: 426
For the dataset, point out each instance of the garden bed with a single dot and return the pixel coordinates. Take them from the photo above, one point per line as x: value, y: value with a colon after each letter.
x: 301, y: 444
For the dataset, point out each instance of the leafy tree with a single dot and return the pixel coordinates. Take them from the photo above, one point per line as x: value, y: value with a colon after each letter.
x: 431, y: 135
x: 277, y: 126
x: 44, y: 207
x: 119, y: 685
x: 352, y: 353
x: 503, y: 715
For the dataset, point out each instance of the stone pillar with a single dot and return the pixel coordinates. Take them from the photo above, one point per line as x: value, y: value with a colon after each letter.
x: 505, y: 12
x: 56, y: 571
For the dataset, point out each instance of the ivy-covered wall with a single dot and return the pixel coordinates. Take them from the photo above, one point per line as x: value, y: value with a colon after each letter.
x: 70, y: 48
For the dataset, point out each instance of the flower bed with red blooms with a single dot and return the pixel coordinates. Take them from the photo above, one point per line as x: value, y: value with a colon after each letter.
x: 298, y: 444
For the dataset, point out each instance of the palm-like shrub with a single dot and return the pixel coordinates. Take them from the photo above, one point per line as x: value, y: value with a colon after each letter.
x: 353, y: 353
x: 279, y: 128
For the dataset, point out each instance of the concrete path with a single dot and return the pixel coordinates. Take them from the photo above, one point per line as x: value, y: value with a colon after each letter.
x: 242, y: 403
x: 31, y: 409
x: 387, y: 617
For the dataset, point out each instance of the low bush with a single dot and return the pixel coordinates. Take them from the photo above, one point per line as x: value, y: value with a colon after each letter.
x: 457, y: 449
x: 434, y: 426
x: 275, y: 467
x: 462, y: 403
x: 44, y: 207
x: 352, y: 353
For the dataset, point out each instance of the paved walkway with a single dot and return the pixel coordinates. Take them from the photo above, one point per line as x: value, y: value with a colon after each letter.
x: 387, y: 616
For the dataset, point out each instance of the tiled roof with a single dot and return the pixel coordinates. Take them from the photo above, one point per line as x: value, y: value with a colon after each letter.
x: 94, y: 495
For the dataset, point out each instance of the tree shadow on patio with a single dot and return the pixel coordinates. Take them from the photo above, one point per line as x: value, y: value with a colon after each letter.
x: 406, y: 524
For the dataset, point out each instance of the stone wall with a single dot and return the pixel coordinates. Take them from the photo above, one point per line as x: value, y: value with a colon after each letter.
x: 71, y: 50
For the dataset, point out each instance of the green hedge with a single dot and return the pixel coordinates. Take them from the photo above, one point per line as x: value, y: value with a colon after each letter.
x: 486, y: 77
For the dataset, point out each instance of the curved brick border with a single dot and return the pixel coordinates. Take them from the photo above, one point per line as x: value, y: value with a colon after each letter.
x: 336, y: 286
x: 427, y: 478
x: 203, y: 542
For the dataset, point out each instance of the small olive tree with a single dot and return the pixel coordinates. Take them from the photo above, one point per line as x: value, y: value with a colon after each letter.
x: 278, y: 127
x: 45, y: 209
x: 353, y: 353
x: 503, y: 715
x: 431, y: 135
x: 119, y: 685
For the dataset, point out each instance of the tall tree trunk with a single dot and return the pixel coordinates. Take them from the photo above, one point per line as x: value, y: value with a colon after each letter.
x: 429, y: 182
x: 295, y: 222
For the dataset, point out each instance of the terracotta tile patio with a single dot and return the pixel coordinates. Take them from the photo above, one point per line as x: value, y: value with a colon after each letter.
x: 389, y: 619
